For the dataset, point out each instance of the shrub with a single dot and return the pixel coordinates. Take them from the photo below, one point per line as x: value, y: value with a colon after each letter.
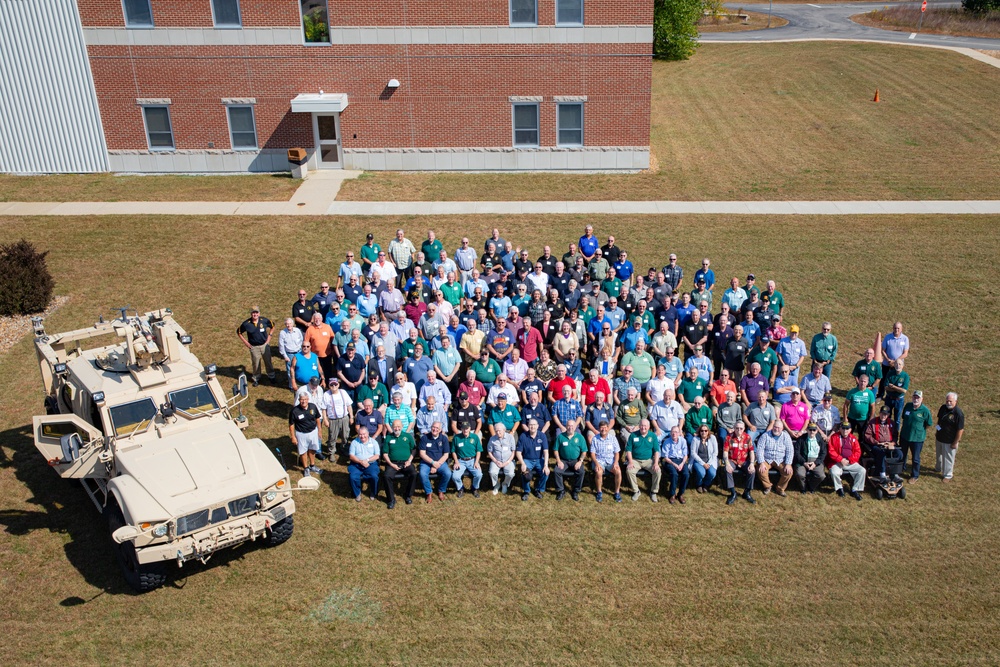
x: 675, y: 30
x: 25, y: 282
x: 981, y: 6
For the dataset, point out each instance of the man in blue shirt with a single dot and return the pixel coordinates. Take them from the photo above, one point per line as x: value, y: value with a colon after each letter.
x: 706, y: 274
x: 533, y: 456
x: 364, y: 454
x: 623, y: 268
x: 792, y: 351
x: 434, y: 452
x: 588, y: 244
x: 500, y: 304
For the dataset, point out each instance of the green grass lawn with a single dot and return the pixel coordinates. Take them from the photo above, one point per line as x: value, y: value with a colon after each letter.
x: 780, y: 121
x: 109, y: 187
x: 796, y: 581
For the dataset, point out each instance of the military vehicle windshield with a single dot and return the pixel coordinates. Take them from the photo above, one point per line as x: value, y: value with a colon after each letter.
x: 133, y: 417
x: 194, y: 401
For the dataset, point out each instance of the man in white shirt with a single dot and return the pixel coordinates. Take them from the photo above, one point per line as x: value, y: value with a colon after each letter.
x: 289, y: 344
x: 339, y: 415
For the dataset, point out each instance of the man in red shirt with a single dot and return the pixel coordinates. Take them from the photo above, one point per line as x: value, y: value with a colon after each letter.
x: 473, y: 388
x: 529, y: 342
x: 843, y: 454
x: 738, y: 455
x: 719, y: 389
x: 593, y: 384
x: 560, y: 382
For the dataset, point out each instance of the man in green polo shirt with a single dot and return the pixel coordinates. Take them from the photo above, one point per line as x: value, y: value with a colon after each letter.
x: 823, y: 349
x: 917, y: 418
x: 641, y: 362
x: 870, y: 365
x: 397, y: 454
x: 452, y: 291
x: 375, y: 390
x: 505, y: 414
x: 612, y: 286
x: 486, y: 369
x: 766, y: 357
x: 699, y: 415
x: 431, y: 247
x: 369, y: 253
x: 570, y: 451
x: 690, y: 388
x: 466, y: 450
x: 859, y: 406
x: 642, y: 452
x: 896, y: 383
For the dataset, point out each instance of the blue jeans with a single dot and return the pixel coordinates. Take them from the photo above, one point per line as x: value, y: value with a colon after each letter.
x: 723, y: 434
x: 465, y: 466
x: 827, y: 369
x: 880, y: 454
x: 678, y: 478
x: 444, y: 476
x: 535, y: 467
x: 896, y: 406
x: 703, y: 478
x: 359, y: 474
x: 906, y: 447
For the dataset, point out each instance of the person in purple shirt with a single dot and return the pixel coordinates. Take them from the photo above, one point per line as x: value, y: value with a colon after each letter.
x: 752, y: 385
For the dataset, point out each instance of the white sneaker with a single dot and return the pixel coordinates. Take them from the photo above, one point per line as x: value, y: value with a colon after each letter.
x: 636, y: 496
x: 653, y: 497
x: 495, y: 491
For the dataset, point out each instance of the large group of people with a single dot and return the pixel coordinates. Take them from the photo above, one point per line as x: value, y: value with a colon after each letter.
x: 425, y: 366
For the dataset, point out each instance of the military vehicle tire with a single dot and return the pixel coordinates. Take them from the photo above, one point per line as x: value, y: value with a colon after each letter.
x: 281, y: 531
x: 142, y: 578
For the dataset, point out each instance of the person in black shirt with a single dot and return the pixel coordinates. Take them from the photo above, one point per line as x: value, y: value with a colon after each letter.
x: 258, y: 341
x: 950, y: 427
x: 302, y: 311
x: 611, y: 252
x: 735, y: 359
x: 464, y: 412
x: 548, y: 261
x: 351, y: 370
x: 303, y: 427
x: 693, y: 334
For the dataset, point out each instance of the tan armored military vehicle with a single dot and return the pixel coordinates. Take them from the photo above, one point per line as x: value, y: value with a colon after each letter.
x: 152, y: 436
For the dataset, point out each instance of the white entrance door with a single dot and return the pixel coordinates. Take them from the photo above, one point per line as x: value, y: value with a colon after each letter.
x: 326, y: 130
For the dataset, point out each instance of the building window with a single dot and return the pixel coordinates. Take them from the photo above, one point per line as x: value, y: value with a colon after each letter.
x: 242, y: 131
x: 158, y: 130
x: 569, y: 12
x: 526, y: 125
x: 138, y: 13
x: 569, y: 124
x: 524, y: 12
x: 315, y: 22
x: 226, y: 13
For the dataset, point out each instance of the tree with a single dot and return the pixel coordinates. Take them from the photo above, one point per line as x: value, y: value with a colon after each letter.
x: 981, y: 6
x: 675, y: 30
x: 25, y: 282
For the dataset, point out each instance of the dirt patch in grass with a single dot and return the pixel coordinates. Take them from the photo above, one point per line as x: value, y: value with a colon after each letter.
x: 937, y: 20
x: 481, y: 580
x: 995, y: 54
x: 110, y: 187
x: 780, y: 121
x: 15, y: 327
x: 733, y: 23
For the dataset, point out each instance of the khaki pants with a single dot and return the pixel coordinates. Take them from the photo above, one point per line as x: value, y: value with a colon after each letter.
x: 633, y: 469
x: 783, y: 478
x: 945, y: 459
x: 259, y: 353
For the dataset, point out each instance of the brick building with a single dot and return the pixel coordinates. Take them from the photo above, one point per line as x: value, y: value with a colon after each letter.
x: 230, y: 85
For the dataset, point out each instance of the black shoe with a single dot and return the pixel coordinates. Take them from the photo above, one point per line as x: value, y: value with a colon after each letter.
x: 253, y: 382
x: 409, y: 501
x: 749, y: 498
x: 392, y: 503
x: 524, y: 496
x: 856, y: 495
x: 731, y: 499
x: 575, y: 496
x: 562, y: 494
x: 537, y: 494
x: 840, y: 492
x: 460, y: 492
x: 270, y: 378
x: 475, y: 493
x: 320, y: 456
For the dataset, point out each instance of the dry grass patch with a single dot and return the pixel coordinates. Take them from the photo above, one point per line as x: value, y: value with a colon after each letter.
x: 780, y: 121
x: 937, y: 20
x: 794, y: 581
x: 109, y: 187
x: 994, y: 54
x: 733, y: 23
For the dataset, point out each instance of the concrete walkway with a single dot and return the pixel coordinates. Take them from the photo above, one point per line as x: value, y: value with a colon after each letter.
x: 353, y: 208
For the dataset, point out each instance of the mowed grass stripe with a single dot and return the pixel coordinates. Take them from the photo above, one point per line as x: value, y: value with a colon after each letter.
x: 795, y: 581
x: 781, y: 121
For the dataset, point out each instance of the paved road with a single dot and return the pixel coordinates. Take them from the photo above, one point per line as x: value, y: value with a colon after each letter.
x: 833, y: 22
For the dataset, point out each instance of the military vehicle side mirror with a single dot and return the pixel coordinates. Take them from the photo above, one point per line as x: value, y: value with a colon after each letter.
x: 240, y: 388
x: 125, y: 534
x: 307, y: 484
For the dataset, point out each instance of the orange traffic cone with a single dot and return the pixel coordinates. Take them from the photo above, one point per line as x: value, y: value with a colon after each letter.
x: 876, y: 96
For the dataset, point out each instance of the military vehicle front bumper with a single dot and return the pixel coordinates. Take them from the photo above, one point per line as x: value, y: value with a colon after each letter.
x: 207, y: 541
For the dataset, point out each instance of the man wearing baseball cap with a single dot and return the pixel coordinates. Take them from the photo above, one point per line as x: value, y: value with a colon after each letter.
x: 792, y: 351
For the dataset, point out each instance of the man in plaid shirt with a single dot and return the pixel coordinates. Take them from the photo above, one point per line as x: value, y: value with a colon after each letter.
x: 604, y: 450
x: 774, y: 451
x: 738, y: 455
x: 566, y: 410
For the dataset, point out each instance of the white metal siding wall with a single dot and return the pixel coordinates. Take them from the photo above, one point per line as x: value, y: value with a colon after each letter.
x: 49, y: 119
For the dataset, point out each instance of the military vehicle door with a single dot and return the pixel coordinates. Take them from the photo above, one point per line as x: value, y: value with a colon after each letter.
x: 72, y: 447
